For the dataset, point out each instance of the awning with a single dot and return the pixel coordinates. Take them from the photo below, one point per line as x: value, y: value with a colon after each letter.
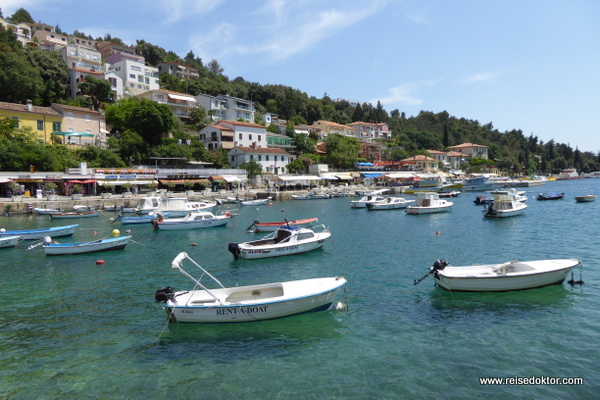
x: 5, y: 180
x: 216, y: 178
x: 182, y: 181
x: 373, y: 175
x: 28, y: 180
x: 179, y: 97
x: 231, y: 178
x: 120, y: 183
x: 83, y: 182
x: 292, y: 178
x: 73, y: 134
x: 344, y: 177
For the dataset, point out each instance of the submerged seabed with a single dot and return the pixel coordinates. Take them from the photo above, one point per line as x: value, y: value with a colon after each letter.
x: 71, y: 328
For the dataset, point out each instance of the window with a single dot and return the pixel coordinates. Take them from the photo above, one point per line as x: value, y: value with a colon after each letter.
x: 259, y: 138
x: 69, y: 115
x: 140, y: 79
x: 56, y: 127
x: 15, y: 121
x: 135, y: 68
x: 259, y: 157
x: 132, y: 76
x: 250, y: 137
x: 87, y: 118
x: 240, y: 136
x: 267, y: 158
x: 40, y: 124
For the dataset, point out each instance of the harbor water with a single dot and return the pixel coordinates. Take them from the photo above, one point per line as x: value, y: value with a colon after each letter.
x: 73, y: 328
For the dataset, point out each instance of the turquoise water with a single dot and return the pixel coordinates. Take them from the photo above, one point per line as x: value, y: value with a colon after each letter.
x: 71, y: 328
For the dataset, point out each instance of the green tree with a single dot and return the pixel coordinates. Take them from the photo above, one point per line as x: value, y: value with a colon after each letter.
x: 152, y: 54
x: 342, y: 151
x: 19, y: 80
x: 215, y: 67
x: 252, y: 168
x: 53, y: 72
x: 98, y: 91
x: 21, y: 15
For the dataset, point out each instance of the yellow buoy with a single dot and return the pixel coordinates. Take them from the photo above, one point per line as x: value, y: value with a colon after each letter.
x: 116, y: 232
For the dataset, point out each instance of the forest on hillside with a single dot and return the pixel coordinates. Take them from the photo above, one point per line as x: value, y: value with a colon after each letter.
x: 39, y: 75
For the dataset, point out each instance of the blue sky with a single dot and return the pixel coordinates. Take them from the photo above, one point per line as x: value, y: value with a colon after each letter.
x: 532, y: 65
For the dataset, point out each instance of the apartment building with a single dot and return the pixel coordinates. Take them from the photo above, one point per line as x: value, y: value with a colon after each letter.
x: 137, y: 77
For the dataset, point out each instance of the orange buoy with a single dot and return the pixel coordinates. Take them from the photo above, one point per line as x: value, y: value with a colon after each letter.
x: 437, y: 233
x: 99, y: 262
x: 193, y: 244
x: 270, y: 204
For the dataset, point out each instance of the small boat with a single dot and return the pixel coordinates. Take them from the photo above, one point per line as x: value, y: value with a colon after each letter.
x: 444, y: 195
x: 257, y: 202
x: 363, y: 201
x: 285, y: 241
x: 482, y: 199
x: 550, y: 196
x: 312, y: 195
x: 32, y: 234
x: 513, y: 275
x: 52, y: 248
x: 375, y: 192
x: 478, y: 184
x: 194, y: 220
x: 258, y: 226
x: 389, y: 203
x: 176, y: 206
x: 81, y: 208
x: 504, y: 205
x: 138, y: 219
x: 74, y: 214
x: 46, y: 211
x: 10, y: 241
x: 429, y: 203
x: 586, y: 198
x: 245, y: 303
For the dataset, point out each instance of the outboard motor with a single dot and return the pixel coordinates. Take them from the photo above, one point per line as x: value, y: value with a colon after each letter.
x: 47, y: 240
x: 234, y: 248
x: 439, y: 265
x: 164, y: 294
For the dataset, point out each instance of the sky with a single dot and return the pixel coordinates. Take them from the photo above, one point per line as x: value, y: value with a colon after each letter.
x: 529, y: 65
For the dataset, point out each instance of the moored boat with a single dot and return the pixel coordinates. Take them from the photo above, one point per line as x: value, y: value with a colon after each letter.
x: 505, y: 204
x: 194, y: 220
x: 550, y: 196
x: 429, y: 203
x: 257, y: 202
x: 586, y: 198
x: 52, y: 248
x: 363, y: 201
x: 389, y: 203
x: 32, y: 234
x: 46, y: 211
x: 513, y: 275
x: 10, y: 241
x: 75, y: 214
x: 245, y: 303
x: 284, y: 241
x: 258, y: 226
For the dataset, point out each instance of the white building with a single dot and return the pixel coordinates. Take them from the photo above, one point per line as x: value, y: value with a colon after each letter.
x: 231, y: 134
x: 272, y: 160
x: 223, y: 107
x: 137, y: 77
x: 180, y: 103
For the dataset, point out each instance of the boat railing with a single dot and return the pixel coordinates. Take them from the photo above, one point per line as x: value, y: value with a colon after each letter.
x: 176, y: 264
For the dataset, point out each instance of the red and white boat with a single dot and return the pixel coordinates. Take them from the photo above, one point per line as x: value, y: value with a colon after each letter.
x: 258, y: 226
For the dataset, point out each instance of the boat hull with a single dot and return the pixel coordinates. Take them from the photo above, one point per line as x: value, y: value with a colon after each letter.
x: 427, y: 210
x: 485, y: 278
x: 167, y: 225
x: 255, y: 252
x: 33, y: 234
x: 55, y: 249
x: 10, y: 241
x: 246, y: 305
x: 69, y: 215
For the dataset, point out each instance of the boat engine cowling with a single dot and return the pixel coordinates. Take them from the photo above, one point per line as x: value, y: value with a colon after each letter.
x: 439, y: 265
x: 164, y: 294
x: 234, y: 248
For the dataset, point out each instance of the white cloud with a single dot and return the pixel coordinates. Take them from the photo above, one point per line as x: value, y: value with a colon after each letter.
x: 483, y: 77
x: 404, y: 94
x: 177, y: 10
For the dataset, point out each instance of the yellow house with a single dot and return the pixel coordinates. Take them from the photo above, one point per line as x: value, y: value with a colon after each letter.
x: 42, y: 120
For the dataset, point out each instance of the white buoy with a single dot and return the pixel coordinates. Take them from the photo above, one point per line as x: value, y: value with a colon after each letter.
x: 339, y: 306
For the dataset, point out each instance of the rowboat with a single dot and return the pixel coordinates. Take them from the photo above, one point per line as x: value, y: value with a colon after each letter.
x: 284, y: 241
x: 139, y: 219
x: 46, y: 211
x: 245, y: 303
x: 32, y: 234
x: 389, y: 203
x: 194, y: 220
x: 272, y: 226
x: 257, y: 202
x: 75, y: 214
x: 115, y: 243
x: 513, y: 275
x: 10, y: 241
x: 586, y: 198
x: 550, y: 196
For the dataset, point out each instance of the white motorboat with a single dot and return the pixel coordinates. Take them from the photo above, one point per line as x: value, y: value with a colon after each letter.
x: 513, y: 275
x: 585, y: 198
x: 429, y: 203
x: 257, y: 202
x: 258, y: 226
x: 505, y: 204
x: 32, y: 234
x: 52, y: 248
x: 193, y: 220
x: 176, y: 206
x: 519, y: 195
x: 46, y: 211
x: 245, y: 303
x: 10, y: 241
x: 285, y: 241
x: 478, y: 184
x: 363, y: 201
x: 389, y: 203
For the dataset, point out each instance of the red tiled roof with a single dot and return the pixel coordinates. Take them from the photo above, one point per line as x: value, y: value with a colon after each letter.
x: 262, y: 150
x: 34, y: 109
